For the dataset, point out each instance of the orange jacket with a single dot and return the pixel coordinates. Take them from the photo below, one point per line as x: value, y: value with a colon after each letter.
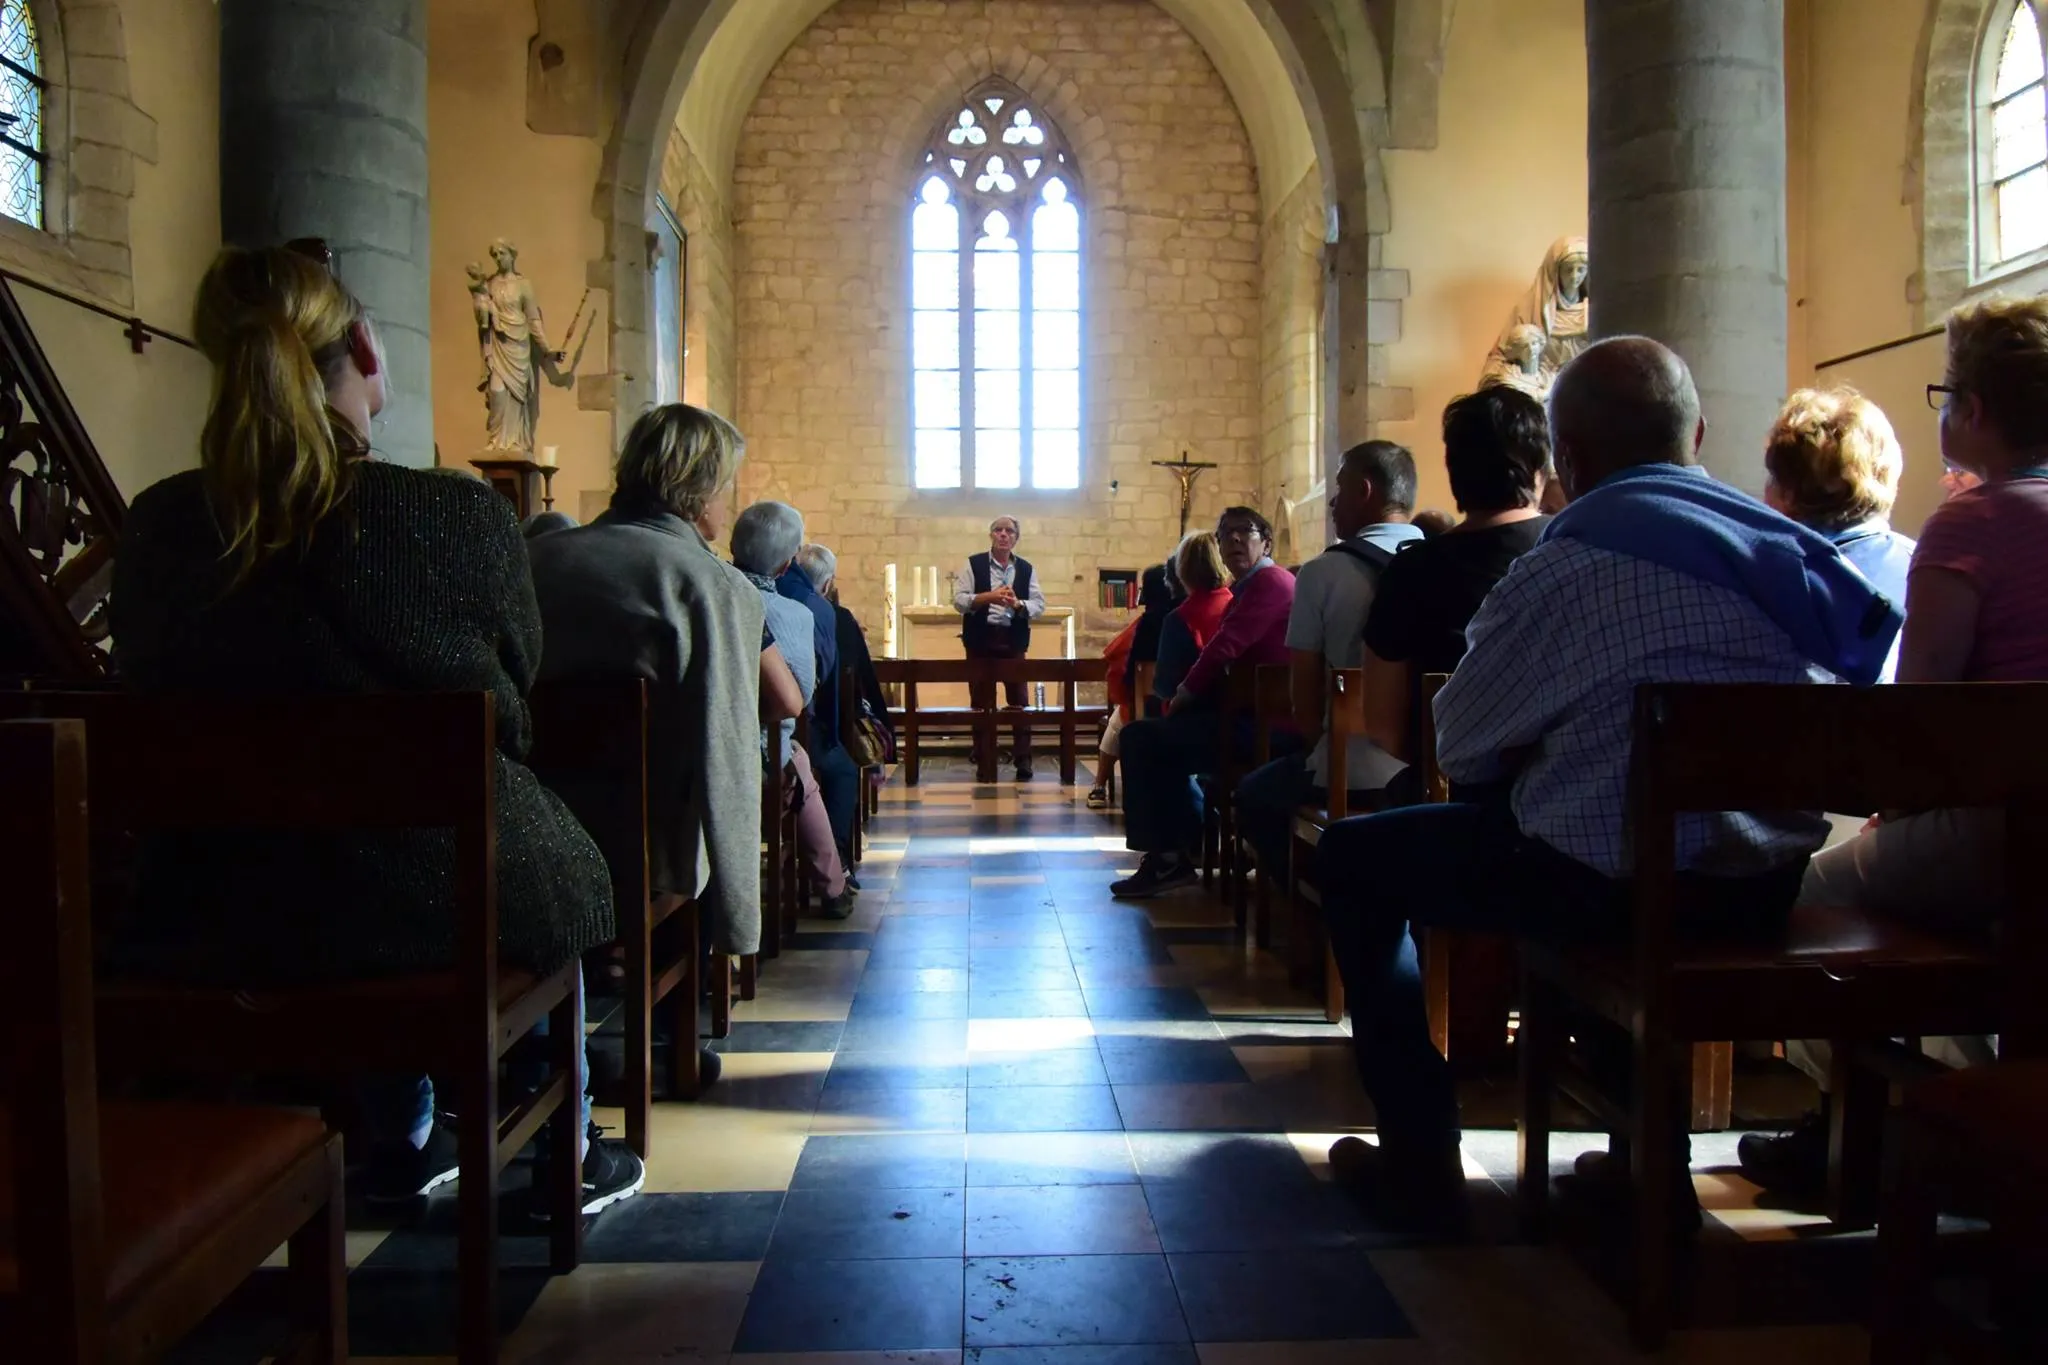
x: 1114, y: 654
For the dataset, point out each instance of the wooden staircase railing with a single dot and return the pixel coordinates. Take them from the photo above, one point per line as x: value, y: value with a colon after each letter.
x: 60, y: 519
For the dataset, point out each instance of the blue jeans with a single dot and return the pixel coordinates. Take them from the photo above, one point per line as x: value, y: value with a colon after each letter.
x: 839, y: 787
x: 1162, y: 799
x: 1466, y: 866
x: 395, y: 1108
x: 1267, y: 799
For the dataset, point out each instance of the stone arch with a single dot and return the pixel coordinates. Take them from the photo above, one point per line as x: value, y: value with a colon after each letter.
x: 1941, y: 174
x: 661, y: 58
x: 94, y: 135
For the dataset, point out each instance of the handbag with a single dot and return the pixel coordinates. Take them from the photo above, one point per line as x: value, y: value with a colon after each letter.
x: 872, y: 743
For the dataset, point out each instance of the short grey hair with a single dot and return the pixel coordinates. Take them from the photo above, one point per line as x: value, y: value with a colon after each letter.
x: 766, y: 537
x: 1627, y: 400
x: 1015, y: 525
x: 819, y: 564
x: 680, y: 457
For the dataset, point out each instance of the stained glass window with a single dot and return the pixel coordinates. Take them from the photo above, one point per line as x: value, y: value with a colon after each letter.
x: 995, y: 296
x: 2014, y: 147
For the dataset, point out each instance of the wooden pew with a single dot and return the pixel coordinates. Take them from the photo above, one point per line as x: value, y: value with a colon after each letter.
x: 1839, y: 975
x: 987, y: 724
x: 107, y: 1258
x: 1347, y: 718
x: 590, y: 747
x: 341, y: 763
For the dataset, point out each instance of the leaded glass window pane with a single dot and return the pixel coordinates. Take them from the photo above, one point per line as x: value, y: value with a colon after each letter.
x: 21, y: 115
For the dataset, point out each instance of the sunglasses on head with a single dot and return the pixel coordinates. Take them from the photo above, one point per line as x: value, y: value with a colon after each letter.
x: 316, y: 250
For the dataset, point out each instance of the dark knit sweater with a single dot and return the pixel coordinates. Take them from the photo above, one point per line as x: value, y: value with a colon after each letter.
x: 418, y: 583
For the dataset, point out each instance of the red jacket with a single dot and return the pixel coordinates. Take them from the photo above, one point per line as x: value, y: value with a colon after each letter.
x: 1114, y: 654
x: 1254, y: 628
x: 1203, y: 612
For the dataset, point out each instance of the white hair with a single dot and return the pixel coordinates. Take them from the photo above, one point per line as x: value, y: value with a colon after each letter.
x: 1015, y: 525
x: 765, y: 537
x: 819, y: 564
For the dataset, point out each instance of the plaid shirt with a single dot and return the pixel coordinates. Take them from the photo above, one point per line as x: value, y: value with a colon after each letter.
x: 1555, y: 656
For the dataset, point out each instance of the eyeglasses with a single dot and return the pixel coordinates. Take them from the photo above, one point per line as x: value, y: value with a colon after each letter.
x: 1939, y: 394
x: 316, y: 250
x: 1236, y: 530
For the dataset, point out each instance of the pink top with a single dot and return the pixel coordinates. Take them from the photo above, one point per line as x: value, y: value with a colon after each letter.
x: 1996, y: 536
x: 1254, y: 627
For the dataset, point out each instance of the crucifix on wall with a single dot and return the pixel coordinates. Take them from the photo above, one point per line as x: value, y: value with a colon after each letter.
x: 1187, y: 471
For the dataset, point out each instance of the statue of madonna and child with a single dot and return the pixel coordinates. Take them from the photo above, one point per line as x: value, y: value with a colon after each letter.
x: 1548, y: 327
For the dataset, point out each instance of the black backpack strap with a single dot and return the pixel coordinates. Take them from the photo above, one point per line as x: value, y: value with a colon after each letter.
x: 1365, y: 552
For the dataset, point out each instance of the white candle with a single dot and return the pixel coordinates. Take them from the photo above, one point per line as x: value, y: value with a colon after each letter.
x: 888, y: 611
x: 935, y: 586
x: 547, y: 455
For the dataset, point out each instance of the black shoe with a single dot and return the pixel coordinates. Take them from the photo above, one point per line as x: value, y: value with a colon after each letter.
x: 837, y: 907
x: 1024, y: 770
x: 1156, y: 873
x: 710, y: 1066
x: 1600, y: 1185
x: 1794, y: 1163
x: 401, y: 1172
x: 1424, y: 1195
x: 611, y: 1172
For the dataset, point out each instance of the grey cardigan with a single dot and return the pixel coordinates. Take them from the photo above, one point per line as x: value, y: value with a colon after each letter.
x: 638, y: 593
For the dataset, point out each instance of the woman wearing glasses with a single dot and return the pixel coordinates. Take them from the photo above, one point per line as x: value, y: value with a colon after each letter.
x: 291, y: 562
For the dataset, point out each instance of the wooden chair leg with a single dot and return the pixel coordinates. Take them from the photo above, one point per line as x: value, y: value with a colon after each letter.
x: 564, y: 1173
x: 1333, y: 988
x: 750, y: 970
x: 685, y: 1074
x: 1658, y: 1137
x: 721, y: 994
x: 1856, y: 1114
x: 1713, y: 1087
x: 1436, y: 987
x: 318, y: 1261
x: 1536, y: 1044
x: 476, y: 1248
x: 1899, y: 1332
x: 639, y: 1041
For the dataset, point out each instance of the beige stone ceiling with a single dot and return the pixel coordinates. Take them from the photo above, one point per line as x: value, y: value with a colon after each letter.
x: 755, y: 34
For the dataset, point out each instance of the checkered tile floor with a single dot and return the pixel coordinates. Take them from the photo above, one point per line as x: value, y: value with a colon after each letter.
x: 1000, y: 1119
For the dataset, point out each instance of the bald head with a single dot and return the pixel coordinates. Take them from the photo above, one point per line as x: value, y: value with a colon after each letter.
x: 1623, y: 402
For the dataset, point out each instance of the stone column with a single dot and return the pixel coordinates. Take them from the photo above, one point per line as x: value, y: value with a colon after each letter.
x: 1685, y: 143
x: 323, y: 133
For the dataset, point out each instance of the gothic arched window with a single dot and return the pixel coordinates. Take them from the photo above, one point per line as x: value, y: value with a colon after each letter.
x: 2012, y: 145
x: 21, y: 115
x: 995, y: 235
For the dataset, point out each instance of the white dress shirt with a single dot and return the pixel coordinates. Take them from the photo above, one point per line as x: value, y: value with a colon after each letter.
x: 999, y: 576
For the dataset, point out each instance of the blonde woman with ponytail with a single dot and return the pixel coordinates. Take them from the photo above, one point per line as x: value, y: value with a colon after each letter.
x: 293, y: 561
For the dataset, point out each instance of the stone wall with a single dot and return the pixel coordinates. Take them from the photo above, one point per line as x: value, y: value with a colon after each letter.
x: 1172, y: 328
x: 1290, y: 459
x: 711, y: 360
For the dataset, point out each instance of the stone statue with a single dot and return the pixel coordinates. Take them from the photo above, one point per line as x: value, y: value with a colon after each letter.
x: 515, y: 351
x: 1556, y: 307
x: 1517, y: 360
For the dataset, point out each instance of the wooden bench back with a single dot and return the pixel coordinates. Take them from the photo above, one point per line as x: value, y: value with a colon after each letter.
x: 1760, y: 747
x: 590, y: 748
x: 388, y: 761
x: 1272, y: 707
x: 47, y: 1078
x: 1435, y: 786
x: 1347, y: 719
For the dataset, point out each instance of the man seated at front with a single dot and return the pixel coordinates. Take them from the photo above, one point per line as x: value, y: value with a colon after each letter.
x: 1653, y: 573
x: 1162, y: 757
x: 1333, y: 595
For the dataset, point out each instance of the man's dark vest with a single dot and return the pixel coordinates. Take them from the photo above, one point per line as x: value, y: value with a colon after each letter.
x: 975, y: 630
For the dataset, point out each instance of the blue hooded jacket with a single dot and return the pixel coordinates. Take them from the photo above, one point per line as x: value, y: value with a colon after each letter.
x: 1679, y: 517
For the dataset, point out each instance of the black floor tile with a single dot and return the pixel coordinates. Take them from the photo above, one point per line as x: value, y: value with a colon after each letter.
x: 916, y: 957
x: 1286, y: 1296
x: 1258, y: 1217
x: 992, y: 973
x: 854, y: 1306
x: 893, y: 1071
x: 894, y: 1033
x: 815, y: 939
x: 869, y: 1225
x: 684, y: 1227
x: 1176, y: 1353
x: 998, y: 960
x: 779, y: 1037
x: 1071, y: 1300
x: 1025, y: 1004
x: 1042, y: 1109
x: 1145, y: 1002
x: 1218, y: 1160
x: 1098, y: 1158
x: 883, y: 1161
x: 1059, y: 1220
x: 908, y: 1005
x: 912, y: 980
x: 1166, y: 1061
x: 1065, y: 1066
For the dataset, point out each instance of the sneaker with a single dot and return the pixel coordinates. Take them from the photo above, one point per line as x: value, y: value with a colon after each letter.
x: 837, y: 907
x: 1793, y: 1164
x: 400, y: 1172
x: 1098, y: 799
x: 612, y: 1172
x: 1422, y: 1195
x: 1156, y: 873
x: 852, y: 880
